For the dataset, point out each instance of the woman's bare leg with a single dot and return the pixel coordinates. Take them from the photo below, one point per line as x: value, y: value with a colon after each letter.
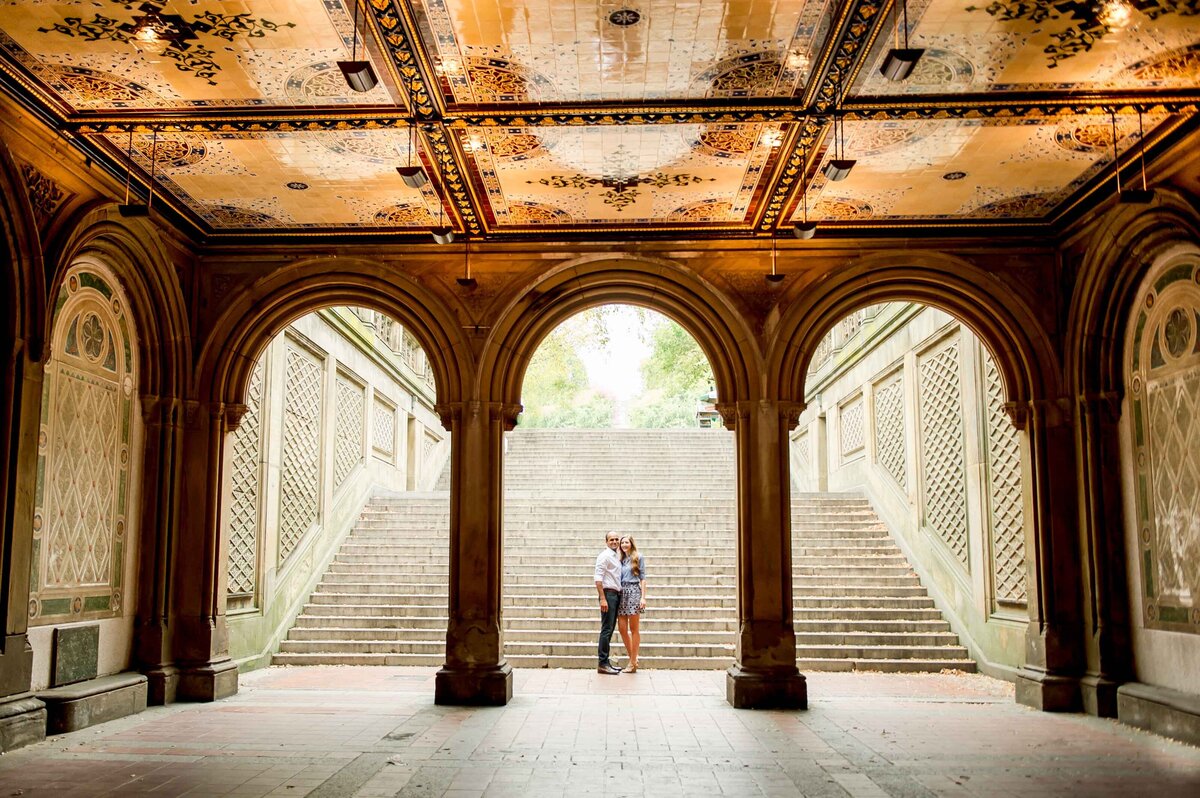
x: 634, y: 641
x: 623, y: 628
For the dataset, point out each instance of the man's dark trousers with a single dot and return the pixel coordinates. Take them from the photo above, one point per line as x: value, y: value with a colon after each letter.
x: 608, y: 624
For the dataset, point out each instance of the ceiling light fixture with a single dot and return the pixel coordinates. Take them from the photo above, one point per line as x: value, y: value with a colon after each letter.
x: 466, y: 281
x: 442, y: 232
x: 1143, y: 195
x: 130, y: 209
x: 805, y: 229
x: 838, y: 167
x: 358, y: 74
x: 899, y: 62
x: 413, y: 176
x: 774, y: 276
x: 1130, y: 196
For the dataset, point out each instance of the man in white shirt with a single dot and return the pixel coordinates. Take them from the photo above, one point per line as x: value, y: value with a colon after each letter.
x: 608, y: 588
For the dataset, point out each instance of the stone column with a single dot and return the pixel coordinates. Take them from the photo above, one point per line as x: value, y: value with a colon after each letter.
x: 1102, y: 542
x: 475, y: 672
x: 200, y: 637
x: 162, y: 470
x: 764, y: 675
x: 22, y: 717
x: 1049, y: 680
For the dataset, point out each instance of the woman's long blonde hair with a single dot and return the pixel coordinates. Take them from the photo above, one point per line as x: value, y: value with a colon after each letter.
x: 633, y: 556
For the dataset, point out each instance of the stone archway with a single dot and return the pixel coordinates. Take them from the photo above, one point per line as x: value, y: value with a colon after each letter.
x: 21, y: 341
x: 253, y: 316
x: 1026, y: 360
x: 1128, y: 245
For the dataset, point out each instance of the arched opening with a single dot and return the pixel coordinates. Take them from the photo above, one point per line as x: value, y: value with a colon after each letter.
x: 335, y: 526
x: 623, y: 437
x: 908, y: 520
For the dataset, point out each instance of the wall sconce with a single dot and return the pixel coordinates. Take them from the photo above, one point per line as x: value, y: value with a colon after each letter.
x: 899, y: 62
x: 358, y: 74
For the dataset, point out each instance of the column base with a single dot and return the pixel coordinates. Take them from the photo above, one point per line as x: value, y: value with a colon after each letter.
x: 1047, y: 692
x: 208, y: 682
x: 22, y: 721
x: 474, y: 687
x: 1099, y: 696
x: 784, y: 689
x: 163, y: 685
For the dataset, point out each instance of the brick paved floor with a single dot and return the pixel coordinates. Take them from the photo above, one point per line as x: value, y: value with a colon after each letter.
x: 375, y: 732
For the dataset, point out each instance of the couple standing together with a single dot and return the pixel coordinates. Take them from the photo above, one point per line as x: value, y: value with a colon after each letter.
x: 621, y: 586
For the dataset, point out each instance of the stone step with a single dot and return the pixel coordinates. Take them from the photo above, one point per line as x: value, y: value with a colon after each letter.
x: 885, y: 665
x: 915, y: 640
x: 881, y: 652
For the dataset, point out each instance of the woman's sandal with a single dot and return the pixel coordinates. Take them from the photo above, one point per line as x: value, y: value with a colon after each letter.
x: 632, y: 668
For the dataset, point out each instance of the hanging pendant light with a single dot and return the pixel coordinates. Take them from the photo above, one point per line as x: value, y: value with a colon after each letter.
x: 838, y: 167
x: 466, y: 281
x: 442, y: 232
x: 1143, y: 195
x: 131, y: 209
x: 358, y: 74
x: 899, y: 62
x: 774, y: 276
x: 804, y: 229
x: 413, y: 176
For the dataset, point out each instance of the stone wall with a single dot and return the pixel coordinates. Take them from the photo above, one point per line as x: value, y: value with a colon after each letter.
x: 906, y: 405
x: 340, y: 404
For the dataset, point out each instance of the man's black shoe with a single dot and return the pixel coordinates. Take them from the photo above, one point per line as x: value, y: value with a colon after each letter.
x: 608, y: 670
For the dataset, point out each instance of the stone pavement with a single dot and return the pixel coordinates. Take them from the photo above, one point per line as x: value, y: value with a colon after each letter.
x: 374, y: 731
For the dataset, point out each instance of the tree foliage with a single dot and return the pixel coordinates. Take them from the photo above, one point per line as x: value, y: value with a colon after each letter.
x: 557, y: 392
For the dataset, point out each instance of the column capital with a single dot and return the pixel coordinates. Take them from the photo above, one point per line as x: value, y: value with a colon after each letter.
x: 732, y: 412
x: 160, y: 410
x: 504, y: 412
x: 1045, y: 413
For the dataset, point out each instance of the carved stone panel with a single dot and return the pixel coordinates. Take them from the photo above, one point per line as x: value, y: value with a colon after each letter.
x: 350, y: 403
x: 245, y: 510
x: 300, y: 478
x: 890, y: 444
x: 852, y: 424
x: 943, y: 460
x: 1006, y: 506
x: 383, y: 427
x: 85, y: 454
x: 1164, y: 387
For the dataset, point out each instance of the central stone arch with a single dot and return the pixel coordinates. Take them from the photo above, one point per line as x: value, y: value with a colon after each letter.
x: 655, y: 284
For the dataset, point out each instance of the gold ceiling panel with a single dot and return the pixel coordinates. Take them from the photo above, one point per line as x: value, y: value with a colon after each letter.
x: 495, y: 51
x: 942, y: 170
x: 97, y: 55
x: 621, y: 175
x: 1024, y: 45
x: 343, y: 181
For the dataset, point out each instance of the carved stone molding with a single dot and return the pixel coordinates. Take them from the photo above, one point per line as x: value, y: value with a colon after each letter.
x: 1048, y: 413
x: 45, y: 195
x: 505, y: 413
x: 160, y: 410
x: 233, y: 415
x: 1106, y: 405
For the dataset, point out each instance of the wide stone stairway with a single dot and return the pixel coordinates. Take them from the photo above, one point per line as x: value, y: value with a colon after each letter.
x: 858, y: 604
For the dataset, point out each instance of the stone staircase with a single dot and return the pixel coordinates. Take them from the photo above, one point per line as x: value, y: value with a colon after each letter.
x: 858, y: 603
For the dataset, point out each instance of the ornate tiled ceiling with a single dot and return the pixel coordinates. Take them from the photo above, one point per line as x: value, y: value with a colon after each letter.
x: 616, y: 118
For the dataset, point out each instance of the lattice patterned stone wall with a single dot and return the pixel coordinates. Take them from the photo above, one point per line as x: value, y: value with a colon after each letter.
x: 300, y: 478
x: 350, y: 403
x: 1163, y: 377
x: 891, y: 449
x: 383, y: 437
x: 1006, y: 506
x: 943, y: 461
x: 852, y: 424
x: 802, y: 448
x: 84, y: 455
x: 244, y: 510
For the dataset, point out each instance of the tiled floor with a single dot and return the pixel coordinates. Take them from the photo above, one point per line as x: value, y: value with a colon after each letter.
x: 375, y: 732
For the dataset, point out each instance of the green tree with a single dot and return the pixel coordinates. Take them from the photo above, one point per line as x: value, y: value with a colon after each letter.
x: 556, y: 391
x: 676, y: 376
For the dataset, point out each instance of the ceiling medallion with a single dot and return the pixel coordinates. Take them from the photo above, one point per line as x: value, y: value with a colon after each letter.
x: 296, y: 185
x: 625, y: 17
x: 954, y: 176
x: 622, y: 189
